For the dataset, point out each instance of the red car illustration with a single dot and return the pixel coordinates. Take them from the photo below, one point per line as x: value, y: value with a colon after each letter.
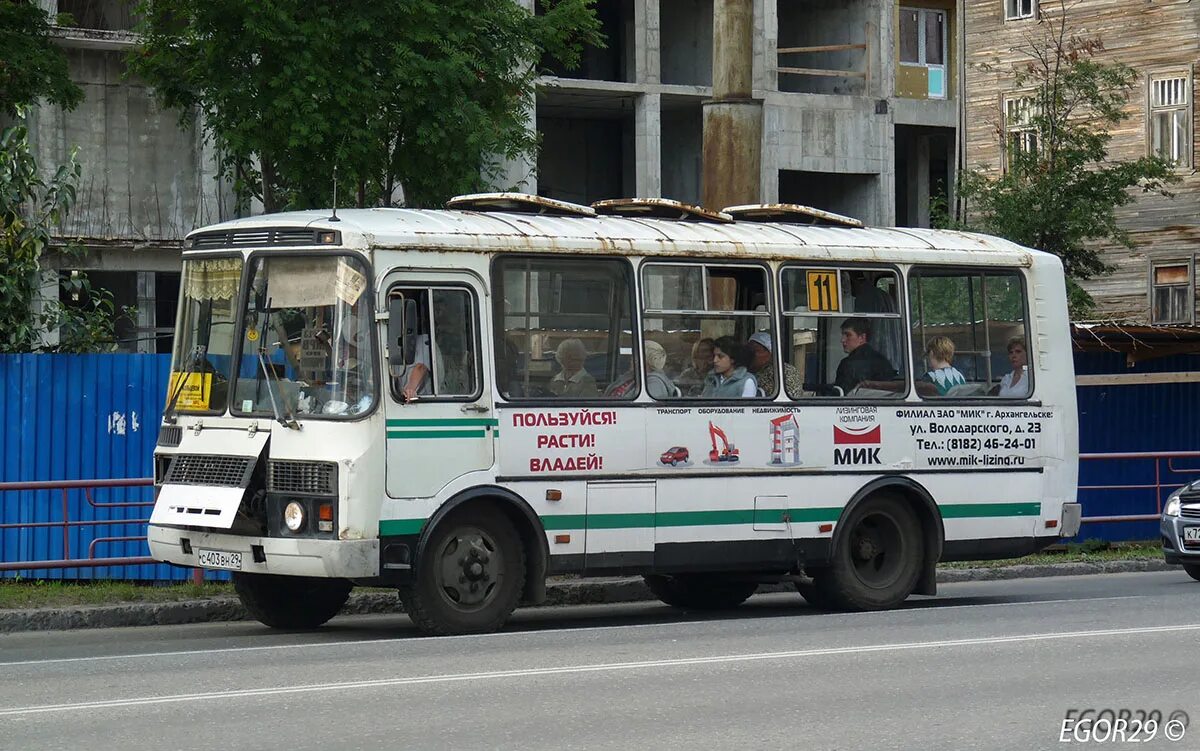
x: 674, y: 455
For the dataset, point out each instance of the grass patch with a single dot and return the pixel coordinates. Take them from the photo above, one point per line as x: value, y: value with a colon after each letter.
x: 16, y: 594
x: 1090, y: 551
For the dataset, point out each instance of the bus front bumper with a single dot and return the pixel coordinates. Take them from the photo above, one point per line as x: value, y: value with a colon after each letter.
x: 349, y: 559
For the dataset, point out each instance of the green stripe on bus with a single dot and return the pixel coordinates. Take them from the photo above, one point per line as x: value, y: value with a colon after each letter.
x: 557, y: 522
x: 978, y: 510
x: 391, y: 527
x: 449, y: 422
x: 437, y: 434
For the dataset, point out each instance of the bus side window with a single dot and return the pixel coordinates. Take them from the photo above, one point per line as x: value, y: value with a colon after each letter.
x: 969, y: 333
x: 564, y: 328
x: 444, y: 363
x: 843, y: 333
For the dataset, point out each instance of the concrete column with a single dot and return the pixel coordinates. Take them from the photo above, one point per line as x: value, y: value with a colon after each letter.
x: 647, y: 146
x: 646, y: 41
x: 49, y: 337
x: 732, y: 118
x: 917, y: 182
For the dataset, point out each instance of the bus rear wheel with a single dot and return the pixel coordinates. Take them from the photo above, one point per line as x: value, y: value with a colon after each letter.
x: 1193, y: 570
x: 877, y: 562
x: 700, y: 591
x: 291, y: 602
x: 469, y: 577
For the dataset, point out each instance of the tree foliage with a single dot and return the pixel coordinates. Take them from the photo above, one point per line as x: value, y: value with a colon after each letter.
x: 426, y: 95
x: 32, y: 66
x: 1060, y: 191
x: 30, y: 207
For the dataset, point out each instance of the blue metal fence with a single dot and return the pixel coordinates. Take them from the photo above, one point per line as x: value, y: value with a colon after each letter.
x: 79, y: 417
x: 1159, y: 417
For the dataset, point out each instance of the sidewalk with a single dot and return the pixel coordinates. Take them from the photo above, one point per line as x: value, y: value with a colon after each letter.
x: 558, y: 592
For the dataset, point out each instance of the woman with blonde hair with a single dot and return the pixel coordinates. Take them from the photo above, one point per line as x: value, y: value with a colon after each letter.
x: 939, y: 353
x: 573, y: 379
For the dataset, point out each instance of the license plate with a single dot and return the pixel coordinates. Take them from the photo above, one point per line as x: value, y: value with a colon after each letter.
x: 1191, y: 534
x: 219, y: 559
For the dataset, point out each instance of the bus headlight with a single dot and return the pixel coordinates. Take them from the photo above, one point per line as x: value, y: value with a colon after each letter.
x: 293, y: 516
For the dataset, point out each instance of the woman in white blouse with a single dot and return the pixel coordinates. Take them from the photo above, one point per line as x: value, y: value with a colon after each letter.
x: 1015, y: 385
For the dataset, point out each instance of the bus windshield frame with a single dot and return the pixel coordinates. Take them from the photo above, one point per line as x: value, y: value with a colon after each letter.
x: 308, y: 348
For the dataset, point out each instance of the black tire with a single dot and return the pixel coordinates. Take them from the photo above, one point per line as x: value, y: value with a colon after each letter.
x: 291, y: 602
x: 470, y: 575
x: 877, y: 560
x: 816, y: 591
x: 1193, y: 570
x: 700, y: 591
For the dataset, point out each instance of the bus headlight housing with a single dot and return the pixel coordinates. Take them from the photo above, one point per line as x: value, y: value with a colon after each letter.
x: 293, y: 516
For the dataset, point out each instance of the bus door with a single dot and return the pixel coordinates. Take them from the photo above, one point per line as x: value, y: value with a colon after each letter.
x: 440, y: 418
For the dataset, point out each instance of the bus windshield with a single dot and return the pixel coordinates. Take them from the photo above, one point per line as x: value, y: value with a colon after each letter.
x: 200, y: 363
x: 306, y: 341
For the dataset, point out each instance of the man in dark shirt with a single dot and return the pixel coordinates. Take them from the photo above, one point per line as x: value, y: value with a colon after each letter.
x: 862, y: 362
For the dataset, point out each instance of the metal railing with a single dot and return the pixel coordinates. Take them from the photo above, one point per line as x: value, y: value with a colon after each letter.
x: 66, y: 523
x: 1164, y: 464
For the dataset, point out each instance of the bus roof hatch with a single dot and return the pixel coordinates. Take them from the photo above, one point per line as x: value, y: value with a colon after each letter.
x: 520, y: 203
x: 790, y: 212
x: 659, y: 208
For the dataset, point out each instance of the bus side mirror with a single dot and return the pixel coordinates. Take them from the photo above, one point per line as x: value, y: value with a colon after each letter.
x: 401, y: 332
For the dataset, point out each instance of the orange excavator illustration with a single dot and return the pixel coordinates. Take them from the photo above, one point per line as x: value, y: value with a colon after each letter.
x: 727, y: 453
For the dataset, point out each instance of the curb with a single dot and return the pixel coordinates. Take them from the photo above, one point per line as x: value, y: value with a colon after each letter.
x: 558, y: 593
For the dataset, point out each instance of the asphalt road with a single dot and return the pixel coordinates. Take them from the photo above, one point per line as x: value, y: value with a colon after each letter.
x: 990, y: 665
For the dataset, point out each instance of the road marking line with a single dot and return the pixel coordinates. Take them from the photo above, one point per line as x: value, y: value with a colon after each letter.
x: 597, y: 668
x: 402, y: 639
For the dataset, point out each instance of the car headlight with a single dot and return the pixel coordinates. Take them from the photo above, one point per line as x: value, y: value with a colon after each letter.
x: 293, y: 516
x: 1172, y: 507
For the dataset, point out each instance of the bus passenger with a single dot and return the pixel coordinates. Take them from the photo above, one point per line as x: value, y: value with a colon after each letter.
x: 691, y: 380
x: 1015, y: 384
x: 572, y: 380
x: 729, y: 376
x: 764, y: 370
x: 657, y: 383
x: 862, y: 362
x: 942, y: 375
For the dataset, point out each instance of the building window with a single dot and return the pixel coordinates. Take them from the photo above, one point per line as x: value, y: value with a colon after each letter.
x: 1015, y: 10
x: 1020, y: 131
x: 1171, y: 293
x: 1170, y: 119
x: 923, y: 43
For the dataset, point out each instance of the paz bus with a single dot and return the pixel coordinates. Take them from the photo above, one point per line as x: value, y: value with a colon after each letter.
x: 459, y: 403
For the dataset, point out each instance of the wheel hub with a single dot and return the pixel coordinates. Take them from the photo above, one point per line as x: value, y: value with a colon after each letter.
x: 469, y: 569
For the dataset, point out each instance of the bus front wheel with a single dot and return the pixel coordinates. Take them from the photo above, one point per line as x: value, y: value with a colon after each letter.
x: 877, y: 562
x: 291, y: 602
x: 700, y: 591
x: 469, y: 576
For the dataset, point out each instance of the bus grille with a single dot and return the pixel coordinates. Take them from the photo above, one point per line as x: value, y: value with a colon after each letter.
x: 308, y: 478
x: 199, y: 469
x: 253, y: 238
x: 170, y: 435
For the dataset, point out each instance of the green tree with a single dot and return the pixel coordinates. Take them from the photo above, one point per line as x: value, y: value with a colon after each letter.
x: 34, y: 69
x: 1060, y: 191
x: 423, y: 94
x: 32, y: 66
x: 31, y: 206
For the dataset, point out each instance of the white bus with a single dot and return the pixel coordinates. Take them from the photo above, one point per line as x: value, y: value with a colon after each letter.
x: 460, y: 403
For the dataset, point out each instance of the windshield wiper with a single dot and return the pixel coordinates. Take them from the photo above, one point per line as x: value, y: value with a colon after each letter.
x: 287, y: 419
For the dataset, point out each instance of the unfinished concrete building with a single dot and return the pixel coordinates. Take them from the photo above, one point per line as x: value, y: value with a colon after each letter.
x: 860, y: 105
x: 146, y: 181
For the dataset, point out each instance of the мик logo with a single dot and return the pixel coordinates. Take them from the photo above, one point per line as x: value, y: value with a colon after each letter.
x: 862, y: 445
